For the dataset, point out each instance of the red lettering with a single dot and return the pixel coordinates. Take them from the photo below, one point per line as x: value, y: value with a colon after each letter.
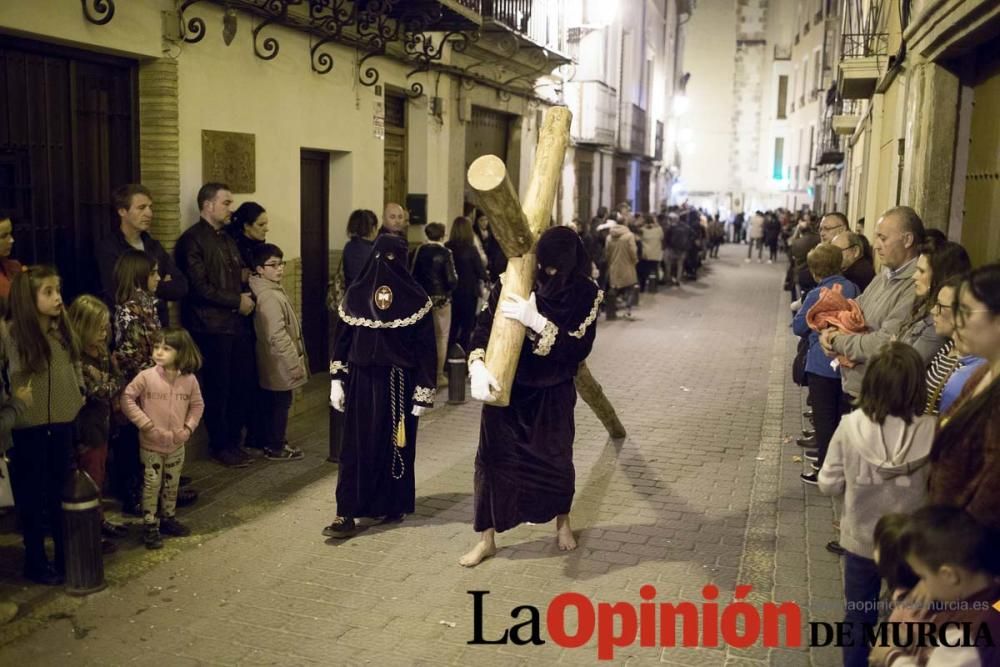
x: 793, y: 624
x: 668, y: 634
x: 555, y: 619
x: 606, y: 638
x: 647, y: 617
x: 710, y: 617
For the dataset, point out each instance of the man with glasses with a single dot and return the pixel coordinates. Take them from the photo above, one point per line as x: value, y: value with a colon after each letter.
x: 888, y: 300
x: 831, y: 225
x: 857, y: 265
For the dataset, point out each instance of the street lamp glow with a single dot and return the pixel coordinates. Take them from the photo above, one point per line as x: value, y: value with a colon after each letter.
x: 601, y: 12
x: 681, y: 104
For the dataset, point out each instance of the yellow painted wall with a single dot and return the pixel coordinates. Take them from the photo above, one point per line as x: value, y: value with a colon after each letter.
x: 134, y: 31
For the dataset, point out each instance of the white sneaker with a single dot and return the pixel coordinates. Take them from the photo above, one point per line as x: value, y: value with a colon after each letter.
x: 770, y: 262
x: 747, y: 260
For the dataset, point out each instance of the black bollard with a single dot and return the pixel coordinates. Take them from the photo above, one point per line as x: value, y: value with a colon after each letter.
x: 458, y: 369
x: 336, y: 435
x: 81, y: 507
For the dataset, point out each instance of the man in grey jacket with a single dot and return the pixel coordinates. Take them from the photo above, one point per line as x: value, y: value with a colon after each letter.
x: 886, y: 304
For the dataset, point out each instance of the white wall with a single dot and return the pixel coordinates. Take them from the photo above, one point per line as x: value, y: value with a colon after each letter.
x: 709, y: 55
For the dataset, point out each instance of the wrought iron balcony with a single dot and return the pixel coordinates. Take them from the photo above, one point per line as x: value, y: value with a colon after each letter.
x: 864, y: 49
x: 782, y: 52
x: 414, y: 31
x: 595, y: 111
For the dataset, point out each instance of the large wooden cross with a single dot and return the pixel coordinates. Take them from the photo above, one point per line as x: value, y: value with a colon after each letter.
x: 517, y: 228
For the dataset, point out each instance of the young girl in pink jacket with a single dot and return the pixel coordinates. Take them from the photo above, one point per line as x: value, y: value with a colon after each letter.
x: 165, y: 403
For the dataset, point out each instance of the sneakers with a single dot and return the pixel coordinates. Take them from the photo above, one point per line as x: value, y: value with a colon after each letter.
x: 808, y: 432
x: 808, y: 443
x: 809, y: 478
x: 173, y: 528
x: 834, y: 547
x: 152, y: 537
x: 811, y: 455
x: 747, y: 260
x: 287, y: 453
x: 232, y: 458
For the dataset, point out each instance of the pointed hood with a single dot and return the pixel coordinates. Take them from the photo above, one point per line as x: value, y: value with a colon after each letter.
x: 385, y: 295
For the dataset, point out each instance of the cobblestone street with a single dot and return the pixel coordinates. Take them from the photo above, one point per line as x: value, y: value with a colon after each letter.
x: 704, y: 489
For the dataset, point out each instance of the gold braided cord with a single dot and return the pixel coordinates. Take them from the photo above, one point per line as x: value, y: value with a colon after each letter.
x: 391, y: 324
x: 423, y: 395
x: 579, y: 333
x: 546, y: 339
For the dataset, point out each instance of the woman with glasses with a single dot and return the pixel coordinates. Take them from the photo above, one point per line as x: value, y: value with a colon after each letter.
x: 965, y: 460
x: 951, y: 366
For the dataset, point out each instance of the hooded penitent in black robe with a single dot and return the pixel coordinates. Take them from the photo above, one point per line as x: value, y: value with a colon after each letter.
x: 386, y: 355
x: 524, y: 466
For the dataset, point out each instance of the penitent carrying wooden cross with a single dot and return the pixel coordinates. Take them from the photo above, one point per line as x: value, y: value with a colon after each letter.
x: 517, y: 227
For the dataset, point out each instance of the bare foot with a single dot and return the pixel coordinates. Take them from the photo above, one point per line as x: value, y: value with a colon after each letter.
x: 564, y: 533
x: 485, y: 548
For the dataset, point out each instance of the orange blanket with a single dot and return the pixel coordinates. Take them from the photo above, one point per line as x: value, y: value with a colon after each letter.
x: 832, y: 309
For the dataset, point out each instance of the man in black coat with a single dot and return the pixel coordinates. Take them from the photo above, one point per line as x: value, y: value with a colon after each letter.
x: 433, y: 268
x: 134, y: 205
x: 213, y: 313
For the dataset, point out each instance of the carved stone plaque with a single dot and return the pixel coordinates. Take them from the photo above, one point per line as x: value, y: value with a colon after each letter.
x: 230, y: 158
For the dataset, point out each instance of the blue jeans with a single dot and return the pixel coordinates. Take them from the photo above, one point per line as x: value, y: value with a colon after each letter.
x: 861, y: 588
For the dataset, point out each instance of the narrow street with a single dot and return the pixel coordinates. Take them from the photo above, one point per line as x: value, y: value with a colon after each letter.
x: 704, y: 490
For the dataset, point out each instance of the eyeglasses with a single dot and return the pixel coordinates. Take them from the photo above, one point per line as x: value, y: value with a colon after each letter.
x: 940, y: 307
x: 829, y: 228
x: 962, y: 315
x: 276, y: 265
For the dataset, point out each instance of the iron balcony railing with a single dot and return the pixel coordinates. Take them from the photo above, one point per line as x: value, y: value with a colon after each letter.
x: 864, y: 45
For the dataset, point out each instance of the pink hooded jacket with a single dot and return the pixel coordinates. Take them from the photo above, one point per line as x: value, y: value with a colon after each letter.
x: 151, y: 398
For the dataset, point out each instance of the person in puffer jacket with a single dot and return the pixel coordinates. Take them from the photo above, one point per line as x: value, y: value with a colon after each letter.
x: 877, y: 461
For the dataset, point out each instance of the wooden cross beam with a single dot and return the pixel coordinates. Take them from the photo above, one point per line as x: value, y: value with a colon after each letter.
x: 517, y: 226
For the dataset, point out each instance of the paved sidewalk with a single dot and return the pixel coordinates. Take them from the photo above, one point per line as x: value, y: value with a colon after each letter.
x: 704, y: 490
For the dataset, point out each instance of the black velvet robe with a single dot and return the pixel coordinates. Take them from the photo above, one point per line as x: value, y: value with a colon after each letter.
x: 524, y: 465
x: 372, y: 480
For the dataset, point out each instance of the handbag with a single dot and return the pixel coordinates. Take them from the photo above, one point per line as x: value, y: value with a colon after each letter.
x: 799, y: 364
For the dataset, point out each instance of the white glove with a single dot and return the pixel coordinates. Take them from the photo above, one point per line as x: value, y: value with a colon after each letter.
x: 483, y: 382
x: 524, y: 311
x: 418, y: 410
x: 337, y: 397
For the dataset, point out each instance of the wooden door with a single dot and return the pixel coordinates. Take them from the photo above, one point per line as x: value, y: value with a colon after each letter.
x: 67, y: 138
x: 980, y: 229
x: 394, y: 174
x: 314, y: 178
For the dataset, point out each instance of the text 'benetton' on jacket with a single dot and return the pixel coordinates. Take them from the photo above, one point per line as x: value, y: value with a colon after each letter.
x: 169, y: 405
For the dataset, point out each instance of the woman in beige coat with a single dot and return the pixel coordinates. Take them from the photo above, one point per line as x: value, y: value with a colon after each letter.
x: 281, y: 351
x: 622, y: 257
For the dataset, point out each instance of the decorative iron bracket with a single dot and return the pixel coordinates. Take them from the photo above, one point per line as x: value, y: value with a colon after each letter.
x: 278, y: 10
x: 101, y: 14
x: 194, y: 30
